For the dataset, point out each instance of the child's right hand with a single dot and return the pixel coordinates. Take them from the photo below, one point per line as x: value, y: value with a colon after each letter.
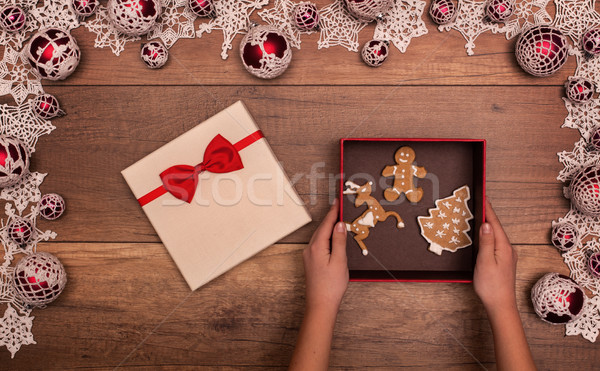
x: 495, y: 270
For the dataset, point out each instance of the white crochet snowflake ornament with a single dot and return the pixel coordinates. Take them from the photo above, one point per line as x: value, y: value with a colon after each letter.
x: 584, y: 117
x: 233, y: 17
x: 16, y: 39
x: 575, y: 17
x: 25, y: 191
x: 587, y: 67
x: 526, y: 14
x: 176, y: 22
x: 588, y: 324
x: 106, y: 34
x: 577, y: 261
x: 576, y: 160
x: 402, y: 23
x: 15, y: 330
x: 338, y: 27
x: 280, y: 16
x: 22, y: 123
x: 17, y: 77
x: 57, y: 14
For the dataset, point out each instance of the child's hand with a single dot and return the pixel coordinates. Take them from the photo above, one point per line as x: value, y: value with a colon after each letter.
x: 496, y: 267
x: 326, y: 270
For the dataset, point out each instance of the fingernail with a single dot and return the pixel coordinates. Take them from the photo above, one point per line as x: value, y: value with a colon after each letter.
x: 486, y: 228
x: 335, y: 201
x: 340, y: 227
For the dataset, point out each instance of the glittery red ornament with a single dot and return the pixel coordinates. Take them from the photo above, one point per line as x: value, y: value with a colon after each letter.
x: 53, y: 53
x: 499, y: 10
x: 14, y: 160
x: 375, y: 52
x: 20, y: 231
x: 52, y: 206
x: 442, y: 11
x: 584, y: 191
x: 46, y: 107
x: 368, y: 10
x: 154, y: 54
x: 202, y: 8
x: 557, y: 299
x: 133, y: 17
x: 541, y: 50
x: 591, y: 41
x: 39, y: 279
x: 85, y: 8
x: 265, y: 52
x: 306, y: 16
x: 12, y: 18
x: 565, y: 236
x: 595, y: 139
x: 579, y: 89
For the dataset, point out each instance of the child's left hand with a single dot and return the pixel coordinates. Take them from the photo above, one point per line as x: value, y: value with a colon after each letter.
x: 326, y: 269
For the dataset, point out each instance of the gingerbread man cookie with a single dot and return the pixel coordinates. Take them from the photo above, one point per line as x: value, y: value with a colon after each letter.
x: 403, y: 173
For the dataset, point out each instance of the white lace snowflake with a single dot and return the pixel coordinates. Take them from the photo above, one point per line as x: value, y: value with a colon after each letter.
x: 106, y: 34
x: 280, y: 16
x: 56, y: 13
x: 233, y: 17
x: 586, y: 225
x: 15, y: 330
x: 575, y: 17
x: 16, y: 39
x: 576, y: 160
x: 526, y: 14
x: 26, y: 191
x: 587, y: 67
x: 22, y: 123
x: 10, y: 248
x: 402, y: 23
x: 577, y: 261
x: 176, y: 22
x: 470, y: 23
x: 588, y: 324
x: 338, y: 27
x: 16, y: 76
x: 584, y: 117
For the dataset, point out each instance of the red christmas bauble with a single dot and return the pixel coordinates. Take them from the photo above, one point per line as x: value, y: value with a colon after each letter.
x: 584, y: 191
x: 565, y: 236
x: 368, y: 10
x: 154, y: 54
x: 541, y: 50
x: 579, y: 89
x: 133, y: 17
x: 375, y: 52
x: 53, y: 53
x: 14, y: 160
x: 46, y: 107
x: 306, y: 16
x: 52, y: 206
x: 265, y: 52
x: 85, y: 8
x: 591, y: 41
x: 499, y: 10
x: 442, y: 11
x: 20, y: 231
x: 12, y: 18
x: 557, y: 299
x: 202, y: 8
x: 594, y: 264
x: 595, y: 139
x: 39, y: 279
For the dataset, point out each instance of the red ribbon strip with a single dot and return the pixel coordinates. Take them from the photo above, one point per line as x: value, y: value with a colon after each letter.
x: 220, y: 156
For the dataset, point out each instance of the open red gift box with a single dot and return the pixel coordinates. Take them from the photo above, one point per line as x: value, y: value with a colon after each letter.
x: 401, y: 254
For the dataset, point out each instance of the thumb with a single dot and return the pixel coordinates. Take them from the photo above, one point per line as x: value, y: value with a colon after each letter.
x: 486, y: 243
x: 338, y: 242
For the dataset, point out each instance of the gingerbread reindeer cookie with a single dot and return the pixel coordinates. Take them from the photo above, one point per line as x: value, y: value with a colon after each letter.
x: 403, y: 173
x: 375, y: 213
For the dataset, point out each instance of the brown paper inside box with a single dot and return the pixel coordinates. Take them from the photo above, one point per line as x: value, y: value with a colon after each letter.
x: 232, y: 215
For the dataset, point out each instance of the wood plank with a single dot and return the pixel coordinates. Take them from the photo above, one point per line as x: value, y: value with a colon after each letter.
x: 433, y: 59
x: 120, y: 294
x: 103, y: 134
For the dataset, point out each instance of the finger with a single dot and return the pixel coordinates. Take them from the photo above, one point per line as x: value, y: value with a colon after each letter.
x: 486, y: 253
x: 502, y: 240
x: 338, y: 243
x: 323, y: 232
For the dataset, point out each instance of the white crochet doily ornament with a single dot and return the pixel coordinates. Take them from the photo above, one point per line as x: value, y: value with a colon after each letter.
x: 442, y: 11
x: 402, y: 23
x: 15, y: 330
x: 375, y: 52
x: 106, y: 33
x: 565, y: 236
x: 557, y: 299
x: 575, y: 17
x: 265, y: 52
x: 53, y: 53
x: 133, y: 17
x: 176, y: 22
x: 368, y: 10
x: 578, y: 261
x: 39, y: 279
x: 14, y: 160
x: 338, y: 27
x: 282, y: 17
x: 541, y: 50
x: 17, y: 77
x: 588, y: 323
x: 584, y: 191
x: 579, y: 89
x: 526, y: 14
x: 46, y: 107
x: 154, y: 54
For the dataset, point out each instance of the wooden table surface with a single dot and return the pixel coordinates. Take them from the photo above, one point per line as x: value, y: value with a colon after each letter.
x: 126, y: 303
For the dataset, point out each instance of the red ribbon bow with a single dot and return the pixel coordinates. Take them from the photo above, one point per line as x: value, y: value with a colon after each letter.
x: 220, y: 156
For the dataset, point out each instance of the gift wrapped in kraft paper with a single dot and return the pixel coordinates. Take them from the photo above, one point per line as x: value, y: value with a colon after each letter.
x: 216, y: 195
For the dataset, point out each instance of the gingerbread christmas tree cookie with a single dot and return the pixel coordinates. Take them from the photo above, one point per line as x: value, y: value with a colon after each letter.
x: 403, y: 173
x: 447, y: 226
